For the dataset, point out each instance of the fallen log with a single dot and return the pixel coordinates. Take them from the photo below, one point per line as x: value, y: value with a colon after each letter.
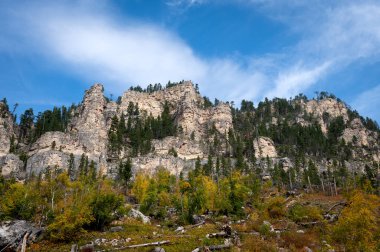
x: 219, y: 247
x: 343, y: 203
x: 197, y: 225
x: 216, y: 235
x: 308, y: 224
x: 24, y: 240
x: 148, y: 244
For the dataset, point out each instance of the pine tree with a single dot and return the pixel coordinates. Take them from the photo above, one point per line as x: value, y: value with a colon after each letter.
x: 198, y: 167
x: 207, y: 168
x: 92, y: 171
x: 71, y: 168
x: 125, y: 172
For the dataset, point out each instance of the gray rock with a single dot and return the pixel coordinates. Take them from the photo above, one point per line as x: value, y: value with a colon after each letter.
x: 180, y: 229
x: 12, y: 233
x: 116, y: 229
x: 198, y: 219
x: 12, y: 166
x: 74, y: 248
x: 139, y: 215
x: 307, y: 249
x: 87, y: 248
x: 158, y: 249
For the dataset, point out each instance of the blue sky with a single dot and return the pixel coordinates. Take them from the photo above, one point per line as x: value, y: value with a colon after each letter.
x: 51, y: 52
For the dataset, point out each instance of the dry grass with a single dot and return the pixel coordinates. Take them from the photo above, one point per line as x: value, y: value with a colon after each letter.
x: 141, y: 233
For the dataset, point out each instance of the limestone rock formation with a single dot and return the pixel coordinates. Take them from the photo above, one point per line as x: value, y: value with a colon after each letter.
x: 190, y: 116
x: 150, y: 163
x: 358, y: 135
x: 264, y: 147
x: 48, y: 159
x: 328, y: 107
x: 186, y: 106
x: 87, y: 134
x: 6, y: 129
x: 185, y: 148
x: 11, y: 166
x: 89, y: 127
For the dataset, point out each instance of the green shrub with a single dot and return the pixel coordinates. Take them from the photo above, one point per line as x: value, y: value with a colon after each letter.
x: 300, y: 213
x: 18, y: 203
x: 106, y: 207
x: 69, y: 224
x: 276, y: 207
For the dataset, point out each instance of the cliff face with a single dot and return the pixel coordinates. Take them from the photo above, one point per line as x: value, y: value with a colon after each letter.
x: 89, y: 127
x: 87, y: 133
x: 264, y: 147
x: 6, y: 129
x: 186, y: 106
x: 10, y: 164
x: 323, y: 110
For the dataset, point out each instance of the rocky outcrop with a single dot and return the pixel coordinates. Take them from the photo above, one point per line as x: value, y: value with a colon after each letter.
x: 48, y: 159
x: 55, y: 140
x: 13, y: 232
x: 89, y: 128
x: 6, y: 129
x: 136, y: 214
x: 12, y: 166
x: 358, y: 135
x: 150, y: 163
x: 264, y: 147
x: 324, y: 110
x: 86, y: 134
x: 152, y: 103
x: 186, y: 106
x: 186, y: 149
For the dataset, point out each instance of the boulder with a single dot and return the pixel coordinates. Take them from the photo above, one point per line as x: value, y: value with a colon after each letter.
x: 12, y: 233
x: 139, y: 215
x: 116, y: 229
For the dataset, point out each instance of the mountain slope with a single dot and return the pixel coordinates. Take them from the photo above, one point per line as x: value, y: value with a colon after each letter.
x: 173, y: 126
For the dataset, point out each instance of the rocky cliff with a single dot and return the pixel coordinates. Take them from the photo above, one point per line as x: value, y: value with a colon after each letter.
x: 10, y: 164
x: 87, y: 133
x: 6, y: 129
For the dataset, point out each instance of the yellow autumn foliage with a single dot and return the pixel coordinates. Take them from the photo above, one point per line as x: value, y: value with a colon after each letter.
x: 358, y: 226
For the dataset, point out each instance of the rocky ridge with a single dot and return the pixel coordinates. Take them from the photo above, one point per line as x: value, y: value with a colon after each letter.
x: 87, y: 132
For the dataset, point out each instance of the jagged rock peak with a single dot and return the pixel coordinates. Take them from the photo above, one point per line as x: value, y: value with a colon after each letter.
x: 152, y: 102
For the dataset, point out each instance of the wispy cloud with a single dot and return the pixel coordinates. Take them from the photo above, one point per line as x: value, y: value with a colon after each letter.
x: 297, y: 79
x: 120, y: 52
x: 368, y: 102
x: 185, y: 3
x: 130, y: 52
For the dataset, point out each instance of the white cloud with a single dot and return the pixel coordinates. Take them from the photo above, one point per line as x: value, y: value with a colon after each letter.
x: 297, y: 79
x: 129, y: 52
x: 132, y: 54
x: 119, y: 52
